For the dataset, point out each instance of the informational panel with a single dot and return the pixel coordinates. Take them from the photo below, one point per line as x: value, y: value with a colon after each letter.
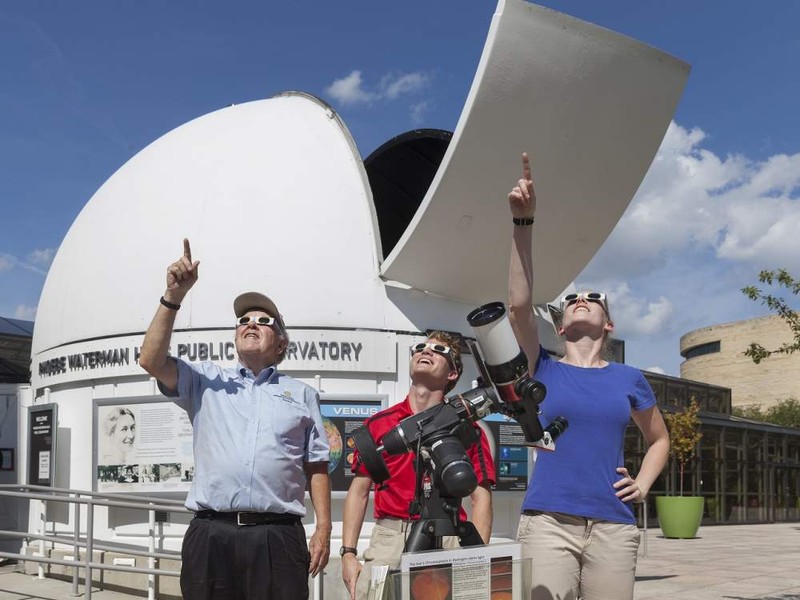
x: 42, y: 429
x: 470, y: 573
x: 343, y: 414
x: 510, y: 454
x: 142, y: 445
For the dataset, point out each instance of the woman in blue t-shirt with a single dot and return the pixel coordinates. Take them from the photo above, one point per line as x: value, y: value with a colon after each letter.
x: 577, y: 523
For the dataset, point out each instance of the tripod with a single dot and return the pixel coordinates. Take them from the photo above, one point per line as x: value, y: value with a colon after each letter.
x: 438, y: 517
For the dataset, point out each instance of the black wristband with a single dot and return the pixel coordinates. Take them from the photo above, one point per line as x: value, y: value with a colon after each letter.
x: 523, y: 221
x: 168, y: 304
x: 348, y: 550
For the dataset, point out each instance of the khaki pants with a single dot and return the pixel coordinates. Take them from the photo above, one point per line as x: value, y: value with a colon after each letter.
x: 582, y: 558
x: 385, y: 547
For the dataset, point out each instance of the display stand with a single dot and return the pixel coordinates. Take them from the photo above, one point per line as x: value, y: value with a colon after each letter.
x: 497, y: 578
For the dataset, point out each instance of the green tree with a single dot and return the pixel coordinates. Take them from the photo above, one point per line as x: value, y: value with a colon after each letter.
x: 684, y: 435
x: 752, y: 412
x: 778, y: 305
x: 784, y: 412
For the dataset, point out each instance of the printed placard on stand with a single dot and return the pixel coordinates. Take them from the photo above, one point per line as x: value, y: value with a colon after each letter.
x: 342, y: 414
x: 42, y: 440
x: 142, y: 444
x: 471, y: 573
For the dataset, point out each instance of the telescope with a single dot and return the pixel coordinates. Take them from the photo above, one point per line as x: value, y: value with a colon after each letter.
x: 445, y: 430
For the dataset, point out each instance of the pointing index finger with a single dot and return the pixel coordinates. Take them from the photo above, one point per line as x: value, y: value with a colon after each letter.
x: 526, y: 167
x: 187, y: 250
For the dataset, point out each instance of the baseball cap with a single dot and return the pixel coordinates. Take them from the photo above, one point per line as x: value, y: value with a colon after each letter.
x: 250, y: 300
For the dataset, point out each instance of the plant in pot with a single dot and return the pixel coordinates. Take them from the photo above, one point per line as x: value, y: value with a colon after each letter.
x: 680, y: 516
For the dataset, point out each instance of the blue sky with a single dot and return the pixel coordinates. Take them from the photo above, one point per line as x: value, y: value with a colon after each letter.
x: 86, y: 84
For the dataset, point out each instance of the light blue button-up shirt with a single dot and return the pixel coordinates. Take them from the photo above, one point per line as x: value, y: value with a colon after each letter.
x: 252, y: 436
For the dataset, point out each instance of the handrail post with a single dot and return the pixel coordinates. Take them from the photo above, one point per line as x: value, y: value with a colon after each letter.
x: 644, y: 545
x: 42, y: 532
x: 151, y: 548
x: 87, y: 582
x: 76, y: 536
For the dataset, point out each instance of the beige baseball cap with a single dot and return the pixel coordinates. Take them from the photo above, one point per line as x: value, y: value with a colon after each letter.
x: 250, y: 300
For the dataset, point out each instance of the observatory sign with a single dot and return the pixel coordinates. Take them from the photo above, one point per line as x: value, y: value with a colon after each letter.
x: 308, y: 350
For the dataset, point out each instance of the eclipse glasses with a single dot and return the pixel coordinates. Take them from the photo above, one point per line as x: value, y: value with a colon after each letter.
x: 598, y: 297
x: 265, y: 321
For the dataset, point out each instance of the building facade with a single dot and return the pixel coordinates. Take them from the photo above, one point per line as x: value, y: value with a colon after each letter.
x: 747, y: 471
x: 715, y: 355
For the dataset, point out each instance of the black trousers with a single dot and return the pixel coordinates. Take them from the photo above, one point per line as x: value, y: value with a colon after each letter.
x: 225, y: 561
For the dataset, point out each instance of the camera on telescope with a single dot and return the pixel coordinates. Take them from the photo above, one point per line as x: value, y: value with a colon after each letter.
x: 441, y: 433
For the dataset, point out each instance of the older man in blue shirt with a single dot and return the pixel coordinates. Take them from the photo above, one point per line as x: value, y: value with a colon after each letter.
x: 258, y: 441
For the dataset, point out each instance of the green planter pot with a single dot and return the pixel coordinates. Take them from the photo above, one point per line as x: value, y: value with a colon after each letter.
x: 679, y: 516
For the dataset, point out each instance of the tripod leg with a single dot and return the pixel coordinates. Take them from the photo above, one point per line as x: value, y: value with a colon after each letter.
x: 421, y: 537
x: 468, y: 534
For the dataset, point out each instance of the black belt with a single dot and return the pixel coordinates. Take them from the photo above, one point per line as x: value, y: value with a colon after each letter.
x: 250, y: 518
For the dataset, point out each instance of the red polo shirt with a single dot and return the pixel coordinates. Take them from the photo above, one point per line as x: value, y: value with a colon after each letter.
x: 392, y: 499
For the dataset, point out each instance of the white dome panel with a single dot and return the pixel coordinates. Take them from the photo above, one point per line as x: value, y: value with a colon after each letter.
x: 273, y: 197
x: 591, y: 108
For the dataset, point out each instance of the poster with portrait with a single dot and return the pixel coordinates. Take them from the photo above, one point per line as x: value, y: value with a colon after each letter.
x: 342, y: 415
x: 142, y: 446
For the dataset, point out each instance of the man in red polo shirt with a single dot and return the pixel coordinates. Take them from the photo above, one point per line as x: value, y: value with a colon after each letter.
x: 435, y: 368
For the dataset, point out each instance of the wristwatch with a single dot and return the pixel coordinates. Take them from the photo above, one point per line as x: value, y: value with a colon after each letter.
x: 347, y: 550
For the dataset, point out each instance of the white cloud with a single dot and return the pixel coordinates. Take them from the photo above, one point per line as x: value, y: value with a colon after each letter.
x: 658, y: 370
x: 700, y: 228
x: 693, y: 200
x: 9, y: 261
x: 43, y: 256
x: 349, y: 90
x: 6, y: 263
x: 393, y: 86
x: 26, y: 313
x: 418, y: 111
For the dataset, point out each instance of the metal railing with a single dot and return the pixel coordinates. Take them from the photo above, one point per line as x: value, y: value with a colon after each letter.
x: 643, y: 547
x: 76, y: 499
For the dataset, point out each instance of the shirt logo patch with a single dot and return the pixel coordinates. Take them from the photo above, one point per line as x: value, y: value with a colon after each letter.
x: 286, y: 396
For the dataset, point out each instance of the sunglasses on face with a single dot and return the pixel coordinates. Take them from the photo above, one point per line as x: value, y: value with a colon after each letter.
x: 433, y: 347
x: 265, y: 321
x: 598, y: 297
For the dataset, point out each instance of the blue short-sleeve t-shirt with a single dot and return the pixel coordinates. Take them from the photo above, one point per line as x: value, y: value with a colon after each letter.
x: 578, y: 477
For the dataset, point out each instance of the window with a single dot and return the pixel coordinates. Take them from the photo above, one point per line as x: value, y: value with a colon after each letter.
x: 708, y: 348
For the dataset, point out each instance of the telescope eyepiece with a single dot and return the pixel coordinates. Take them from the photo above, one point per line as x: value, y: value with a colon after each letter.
x: 529, y: 389
x: 557, y: 427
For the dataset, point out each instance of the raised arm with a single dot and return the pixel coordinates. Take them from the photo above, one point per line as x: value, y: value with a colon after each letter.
x: 181, y: 276
x: 522, y: 202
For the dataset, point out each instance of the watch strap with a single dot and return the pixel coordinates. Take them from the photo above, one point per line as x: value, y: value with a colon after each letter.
x: 168, y: 304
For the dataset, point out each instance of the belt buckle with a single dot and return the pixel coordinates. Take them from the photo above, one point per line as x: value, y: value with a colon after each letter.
x: 239, y: 520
